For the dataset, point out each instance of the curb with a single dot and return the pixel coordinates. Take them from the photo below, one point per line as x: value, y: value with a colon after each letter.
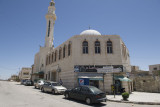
x: 135, y: 102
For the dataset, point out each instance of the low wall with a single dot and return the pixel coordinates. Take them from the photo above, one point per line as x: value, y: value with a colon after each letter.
x: 147, y: 84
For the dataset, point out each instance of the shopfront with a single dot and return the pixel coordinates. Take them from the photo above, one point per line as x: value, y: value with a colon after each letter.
x: 122, y: 83
x: 91, y: 79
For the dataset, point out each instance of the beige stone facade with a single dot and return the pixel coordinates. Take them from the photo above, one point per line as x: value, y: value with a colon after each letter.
x: 134, y: 68
x: 77, y: 59
x: 25, y: 73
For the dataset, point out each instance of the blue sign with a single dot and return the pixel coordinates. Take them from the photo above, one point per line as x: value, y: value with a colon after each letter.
x: 83, y: 81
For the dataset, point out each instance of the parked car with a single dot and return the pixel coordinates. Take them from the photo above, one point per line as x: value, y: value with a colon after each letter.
x: 38, y: 84
x: 89, y: 94
x: 23, y: 82
x: 53, y: 87
x: 28, y: 82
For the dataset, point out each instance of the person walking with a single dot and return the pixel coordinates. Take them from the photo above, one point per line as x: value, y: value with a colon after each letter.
x: 61, y: 83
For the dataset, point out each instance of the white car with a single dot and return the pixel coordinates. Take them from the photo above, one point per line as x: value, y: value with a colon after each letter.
x: 53, y: 87
x: 39, y: 84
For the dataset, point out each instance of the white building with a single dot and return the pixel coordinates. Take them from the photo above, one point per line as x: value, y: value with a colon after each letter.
x: 76, y: 60
x: 25, y: 73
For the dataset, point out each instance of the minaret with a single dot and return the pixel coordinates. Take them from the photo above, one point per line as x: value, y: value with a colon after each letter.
x: 50, y: 17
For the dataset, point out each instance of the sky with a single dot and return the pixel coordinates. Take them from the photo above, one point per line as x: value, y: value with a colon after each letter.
x: 23, y: 28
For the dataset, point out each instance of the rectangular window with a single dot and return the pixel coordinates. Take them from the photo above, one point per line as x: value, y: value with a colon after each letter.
x: 97, y: 50
x: 85, y: 50
x: 52, y: 57
x: 64, y: 51
x: 109, y: 49
x: 55, y: 56
x: 60, y: 54
x: 49, y: 59
x: 155, y: 68
x: 69, y: 49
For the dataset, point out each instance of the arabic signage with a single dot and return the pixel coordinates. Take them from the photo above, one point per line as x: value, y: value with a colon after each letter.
x: 108, y: 69
x: 99, y: 68
x: 78, y: 68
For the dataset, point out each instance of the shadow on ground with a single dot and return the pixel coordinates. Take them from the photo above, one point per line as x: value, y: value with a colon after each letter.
x: 84, y: 103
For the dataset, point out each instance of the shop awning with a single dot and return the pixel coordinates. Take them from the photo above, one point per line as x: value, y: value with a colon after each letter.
x: 39, y: 73
x: 125, y: 79
x: 92, y: 77
x: 121, y: 78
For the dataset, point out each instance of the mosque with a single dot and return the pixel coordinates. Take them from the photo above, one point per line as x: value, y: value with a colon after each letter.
x: 89, y: 58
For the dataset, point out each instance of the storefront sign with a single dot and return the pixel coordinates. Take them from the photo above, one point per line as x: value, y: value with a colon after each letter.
x: 98, y: 68
x: 85, y: 68
x: 108, y: 70
x: 83, y: 81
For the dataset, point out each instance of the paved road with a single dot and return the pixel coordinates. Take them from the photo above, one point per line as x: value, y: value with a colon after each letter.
x: 13, y: 94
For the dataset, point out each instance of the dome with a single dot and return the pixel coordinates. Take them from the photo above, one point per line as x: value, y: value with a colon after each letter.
x: 90, y: 32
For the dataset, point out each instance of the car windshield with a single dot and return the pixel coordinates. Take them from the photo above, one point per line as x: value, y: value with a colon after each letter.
x: 56, y: 84
x: 28, y: 81
x: 95, y: 90
x: 40, y: 81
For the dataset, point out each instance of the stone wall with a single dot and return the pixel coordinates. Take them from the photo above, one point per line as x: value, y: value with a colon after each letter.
x: 147, y: 83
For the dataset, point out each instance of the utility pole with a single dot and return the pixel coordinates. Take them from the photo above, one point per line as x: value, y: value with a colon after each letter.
x: 114, y: 85
x: 103, y: 83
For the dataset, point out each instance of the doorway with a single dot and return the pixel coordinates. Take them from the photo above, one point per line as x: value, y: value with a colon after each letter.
x: 94, y: 83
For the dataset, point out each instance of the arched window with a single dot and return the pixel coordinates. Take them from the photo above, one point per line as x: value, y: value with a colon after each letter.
x: 52, y: 57
x: 85, y: 47
x: 47, y: 60
x: 109, y: 47
x: 69, y: 49
x: 64, y: 51
x: 124, y: 51
x: 97, y: 47
x: 55, y: 57
x: 49, y: 27
x: 60, y: 53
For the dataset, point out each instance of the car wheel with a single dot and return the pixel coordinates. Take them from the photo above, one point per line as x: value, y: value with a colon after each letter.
x: 53, y: 92
x: 42, y: 89
x: 35, y: 87
x: 88, y: 101
x: 67, y: 95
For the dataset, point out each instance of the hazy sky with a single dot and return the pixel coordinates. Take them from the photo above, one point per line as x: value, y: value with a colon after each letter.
x: 23, y: 28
